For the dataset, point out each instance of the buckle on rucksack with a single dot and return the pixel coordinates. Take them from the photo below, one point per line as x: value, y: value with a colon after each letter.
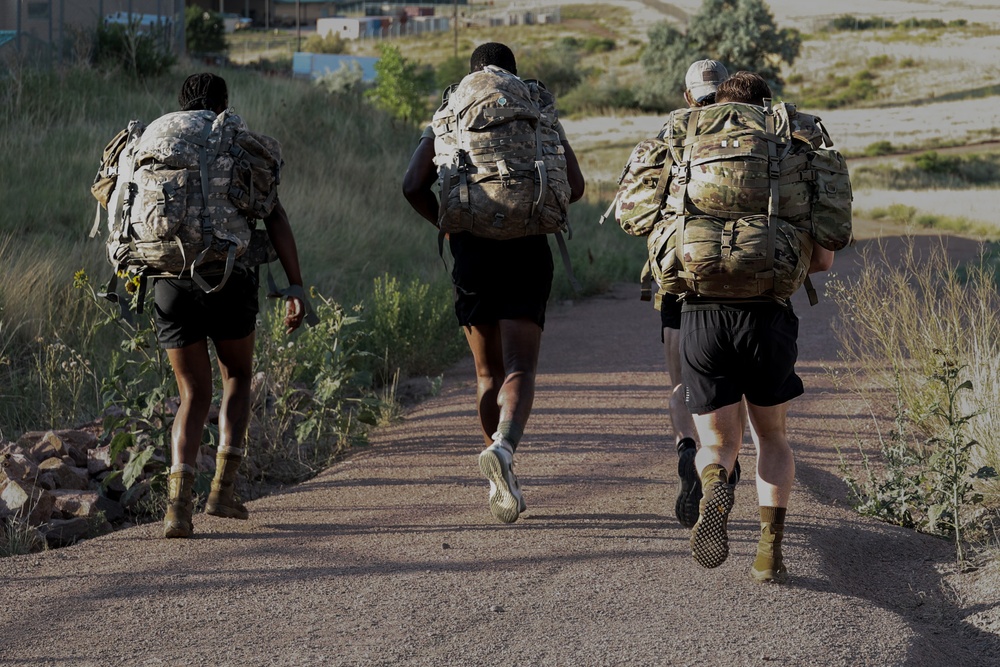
x: 504, y: 174
x: 679, y: 173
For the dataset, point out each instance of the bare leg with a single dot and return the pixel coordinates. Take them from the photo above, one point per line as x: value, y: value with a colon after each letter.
x: 680, y: 416
x: 236, y: 366
x: 522, y: 340
x: 193, y: 370
x: 720, y: 433
x: 775, y: 476
x: 775, y: 462
x: 487, y: 354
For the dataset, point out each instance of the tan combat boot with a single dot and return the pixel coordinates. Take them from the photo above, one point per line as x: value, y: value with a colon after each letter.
x: 180, y: 503
x: 222, y: 499
x: 769, y: 566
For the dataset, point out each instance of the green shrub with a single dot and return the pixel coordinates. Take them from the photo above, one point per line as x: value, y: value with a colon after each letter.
x: 879, y: 61
x: 204, y: 31
x: 598, y: 45
x: 557, y: 67
x: 452, y: 70
x: 931, y: 170
x: 141, y: 54
x: 347, y: 80
x: 401, y: 86
x: 413, y: 327
x: 883, y: 147
x: 596, y: 96
x: 330, y: 43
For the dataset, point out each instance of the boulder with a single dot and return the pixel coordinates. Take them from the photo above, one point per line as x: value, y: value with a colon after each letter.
x: 45, y: 480
x: 135, y: 499
x: 111, y: 483
x: 60, y: 532
x: 99, y: 459
x: 77, y: 444
x: 29, y: 439
x: 75, y: 503
x: 20, y: 499
x: 113, y: 512
x: 66, y: 476
x: 15, y: 465
x: 47, y: 447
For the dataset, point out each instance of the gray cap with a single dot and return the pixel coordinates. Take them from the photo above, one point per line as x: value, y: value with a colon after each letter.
x: 703, y: 78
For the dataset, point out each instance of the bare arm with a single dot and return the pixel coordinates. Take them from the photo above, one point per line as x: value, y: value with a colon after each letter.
x: 280, y: 232
x: 418, y: 179
x: 576, y: 183
x: 821, y: 260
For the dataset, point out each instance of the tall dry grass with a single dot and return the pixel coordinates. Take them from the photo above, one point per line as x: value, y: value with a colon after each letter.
x: 901, y: 316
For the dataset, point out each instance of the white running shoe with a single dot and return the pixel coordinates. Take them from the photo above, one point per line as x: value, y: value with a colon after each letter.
x: 497, y: 464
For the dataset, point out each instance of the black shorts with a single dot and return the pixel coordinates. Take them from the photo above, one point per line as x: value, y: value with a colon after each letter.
x: 185, y: 314
x: 670, y: 313
x: 728, y: 352
x: 500, y: 280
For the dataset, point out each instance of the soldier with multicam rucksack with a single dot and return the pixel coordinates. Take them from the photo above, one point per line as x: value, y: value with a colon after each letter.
x: 739, y: 202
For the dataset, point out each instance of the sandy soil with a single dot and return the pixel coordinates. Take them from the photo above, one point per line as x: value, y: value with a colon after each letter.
x: 392, y: 557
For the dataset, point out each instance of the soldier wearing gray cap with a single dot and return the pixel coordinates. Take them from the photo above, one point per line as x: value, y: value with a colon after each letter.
x: 702, y: 80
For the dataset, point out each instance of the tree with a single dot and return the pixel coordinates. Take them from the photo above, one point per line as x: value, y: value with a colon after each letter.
x: 204, y: 31
x: 452, y: 70
x: 665, y: 60
x: 401, y: 87
x: 741, y: 34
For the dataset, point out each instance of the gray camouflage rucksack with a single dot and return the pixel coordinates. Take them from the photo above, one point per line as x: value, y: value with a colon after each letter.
x: 181, y: 194
x: 501, y: 162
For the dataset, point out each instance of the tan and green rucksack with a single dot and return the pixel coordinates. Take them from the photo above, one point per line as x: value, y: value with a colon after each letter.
x: 743, y: 191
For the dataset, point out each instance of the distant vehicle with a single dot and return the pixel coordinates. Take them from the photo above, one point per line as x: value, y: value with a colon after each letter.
x: 234, y: 22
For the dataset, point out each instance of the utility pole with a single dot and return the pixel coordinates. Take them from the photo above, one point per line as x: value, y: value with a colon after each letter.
x: 454, y: 18
x: 298, y: 28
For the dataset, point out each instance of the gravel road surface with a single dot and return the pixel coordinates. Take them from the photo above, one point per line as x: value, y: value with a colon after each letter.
x: 392, y: 557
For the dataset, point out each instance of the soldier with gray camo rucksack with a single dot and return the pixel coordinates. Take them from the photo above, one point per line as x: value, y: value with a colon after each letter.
x: 180, y: 193
x: 506, y: 175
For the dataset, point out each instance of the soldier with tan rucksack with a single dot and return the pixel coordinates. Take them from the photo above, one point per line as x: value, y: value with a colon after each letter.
x: 739, y: 202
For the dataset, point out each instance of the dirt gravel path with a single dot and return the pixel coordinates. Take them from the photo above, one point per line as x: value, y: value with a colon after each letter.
x: 392, y: 557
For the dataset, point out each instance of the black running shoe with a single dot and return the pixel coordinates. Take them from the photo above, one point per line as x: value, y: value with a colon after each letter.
x: 689, y: 494
x: 734, y: 476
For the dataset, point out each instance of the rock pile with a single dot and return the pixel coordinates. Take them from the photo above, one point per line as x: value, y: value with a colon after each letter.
x: 57, y: 487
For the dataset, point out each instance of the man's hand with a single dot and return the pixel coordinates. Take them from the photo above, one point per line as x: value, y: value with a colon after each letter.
x: 295, y: 311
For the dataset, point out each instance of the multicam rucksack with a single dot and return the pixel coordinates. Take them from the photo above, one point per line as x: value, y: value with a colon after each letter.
x: 744, y: 191
x: 181, y: 193
x: 501, y: 163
